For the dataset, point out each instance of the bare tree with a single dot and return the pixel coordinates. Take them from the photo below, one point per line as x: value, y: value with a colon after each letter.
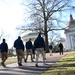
x: 54, y: 37
x: 2, y: 35
x: 45, y: 16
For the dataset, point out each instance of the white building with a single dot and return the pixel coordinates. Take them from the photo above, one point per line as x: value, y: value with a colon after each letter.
x: 29, y: 35
x: 70, y: 34
x: 32, y: 34
x: 69, y: 42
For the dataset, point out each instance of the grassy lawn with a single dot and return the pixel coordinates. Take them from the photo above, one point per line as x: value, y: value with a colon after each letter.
x: 65, y: 66
x: 10, y: 60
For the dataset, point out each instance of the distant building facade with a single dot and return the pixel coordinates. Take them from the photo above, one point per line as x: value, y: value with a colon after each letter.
x: 31, y: 35
x: 69, y: 42
x: 70, y: 34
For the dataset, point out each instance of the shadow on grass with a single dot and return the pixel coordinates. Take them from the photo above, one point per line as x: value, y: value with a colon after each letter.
x: 67, y: 60
x: 66, y: 72
x: 67, y: 63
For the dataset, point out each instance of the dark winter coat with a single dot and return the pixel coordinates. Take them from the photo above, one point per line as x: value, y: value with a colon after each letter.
x: 4, y: 47
x: 18, y: 44
x: 29, y: 45
x: 39, y: 42
x: 61, y: 46
x: 50, y: 47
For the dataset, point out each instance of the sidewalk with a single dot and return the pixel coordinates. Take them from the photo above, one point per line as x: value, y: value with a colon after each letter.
x: 29, y: 67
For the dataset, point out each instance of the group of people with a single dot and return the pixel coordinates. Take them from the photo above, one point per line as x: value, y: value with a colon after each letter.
x: 39, y: 47
x: 60, y: 48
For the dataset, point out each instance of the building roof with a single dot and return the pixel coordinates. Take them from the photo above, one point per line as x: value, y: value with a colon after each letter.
x: 33, y: 33
x: 71, y: 25
x: 30, y: 34
x: 71, y: 22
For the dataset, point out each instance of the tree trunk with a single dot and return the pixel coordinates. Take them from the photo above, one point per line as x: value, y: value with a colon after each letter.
x: 46, y: 41
x: 46, y: 36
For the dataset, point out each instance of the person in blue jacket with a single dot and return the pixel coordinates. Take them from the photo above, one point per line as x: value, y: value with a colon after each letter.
x: 29, y: 48
x: 4, y: 52
x: 50, y: 49
x: 39, y: 45
x: 18, y: 44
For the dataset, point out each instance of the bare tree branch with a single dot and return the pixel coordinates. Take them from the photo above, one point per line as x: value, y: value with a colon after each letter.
x: 43, y: 16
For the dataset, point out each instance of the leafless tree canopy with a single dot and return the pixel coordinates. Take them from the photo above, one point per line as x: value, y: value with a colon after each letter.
x: 45, y: 16
x: 48, y: 11
x: 2, y: 34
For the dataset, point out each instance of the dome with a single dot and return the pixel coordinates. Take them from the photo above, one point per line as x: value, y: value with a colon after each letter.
x: 71, y: 22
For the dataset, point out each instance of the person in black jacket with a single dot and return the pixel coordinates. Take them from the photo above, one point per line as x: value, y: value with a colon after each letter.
x: 18, y: 44
x: 61, y: 48
x: 39, y: 46
x: 29, y: 48
x: 4, y: 52
x: 50, y: 49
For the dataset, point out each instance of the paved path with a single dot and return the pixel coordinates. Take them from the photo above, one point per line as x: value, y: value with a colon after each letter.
x: 29, y: 67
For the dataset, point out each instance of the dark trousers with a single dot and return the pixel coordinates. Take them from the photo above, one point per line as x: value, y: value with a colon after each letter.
x: 4, y: 56
x: 61, y: 51
x: 20, y: 55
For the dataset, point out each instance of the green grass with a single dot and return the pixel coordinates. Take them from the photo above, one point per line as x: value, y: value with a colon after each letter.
x: 65, y: 66
x: 10, y: 60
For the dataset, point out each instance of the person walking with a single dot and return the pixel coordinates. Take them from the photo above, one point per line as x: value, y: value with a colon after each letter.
x: 4, y: 52
x: 33, y: 50
x: 18, y: 44
x: 29, y: 48
x: 50, y: 49
x: 39, y: 45
x: 61, y: 48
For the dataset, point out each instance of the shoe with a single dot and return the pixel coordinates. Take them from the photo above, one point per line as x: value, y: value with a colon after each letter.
x: 32, y: 60
x: 25, y: 60
x: 19, y: 64
x: 3, y: 64
x: 50, y: 54
x: 36, y: 65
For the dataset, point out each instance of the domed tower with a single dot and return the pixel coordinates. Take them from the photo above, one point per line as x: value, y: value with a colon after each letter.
x: 71, y: 22
x: 70, y: 34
